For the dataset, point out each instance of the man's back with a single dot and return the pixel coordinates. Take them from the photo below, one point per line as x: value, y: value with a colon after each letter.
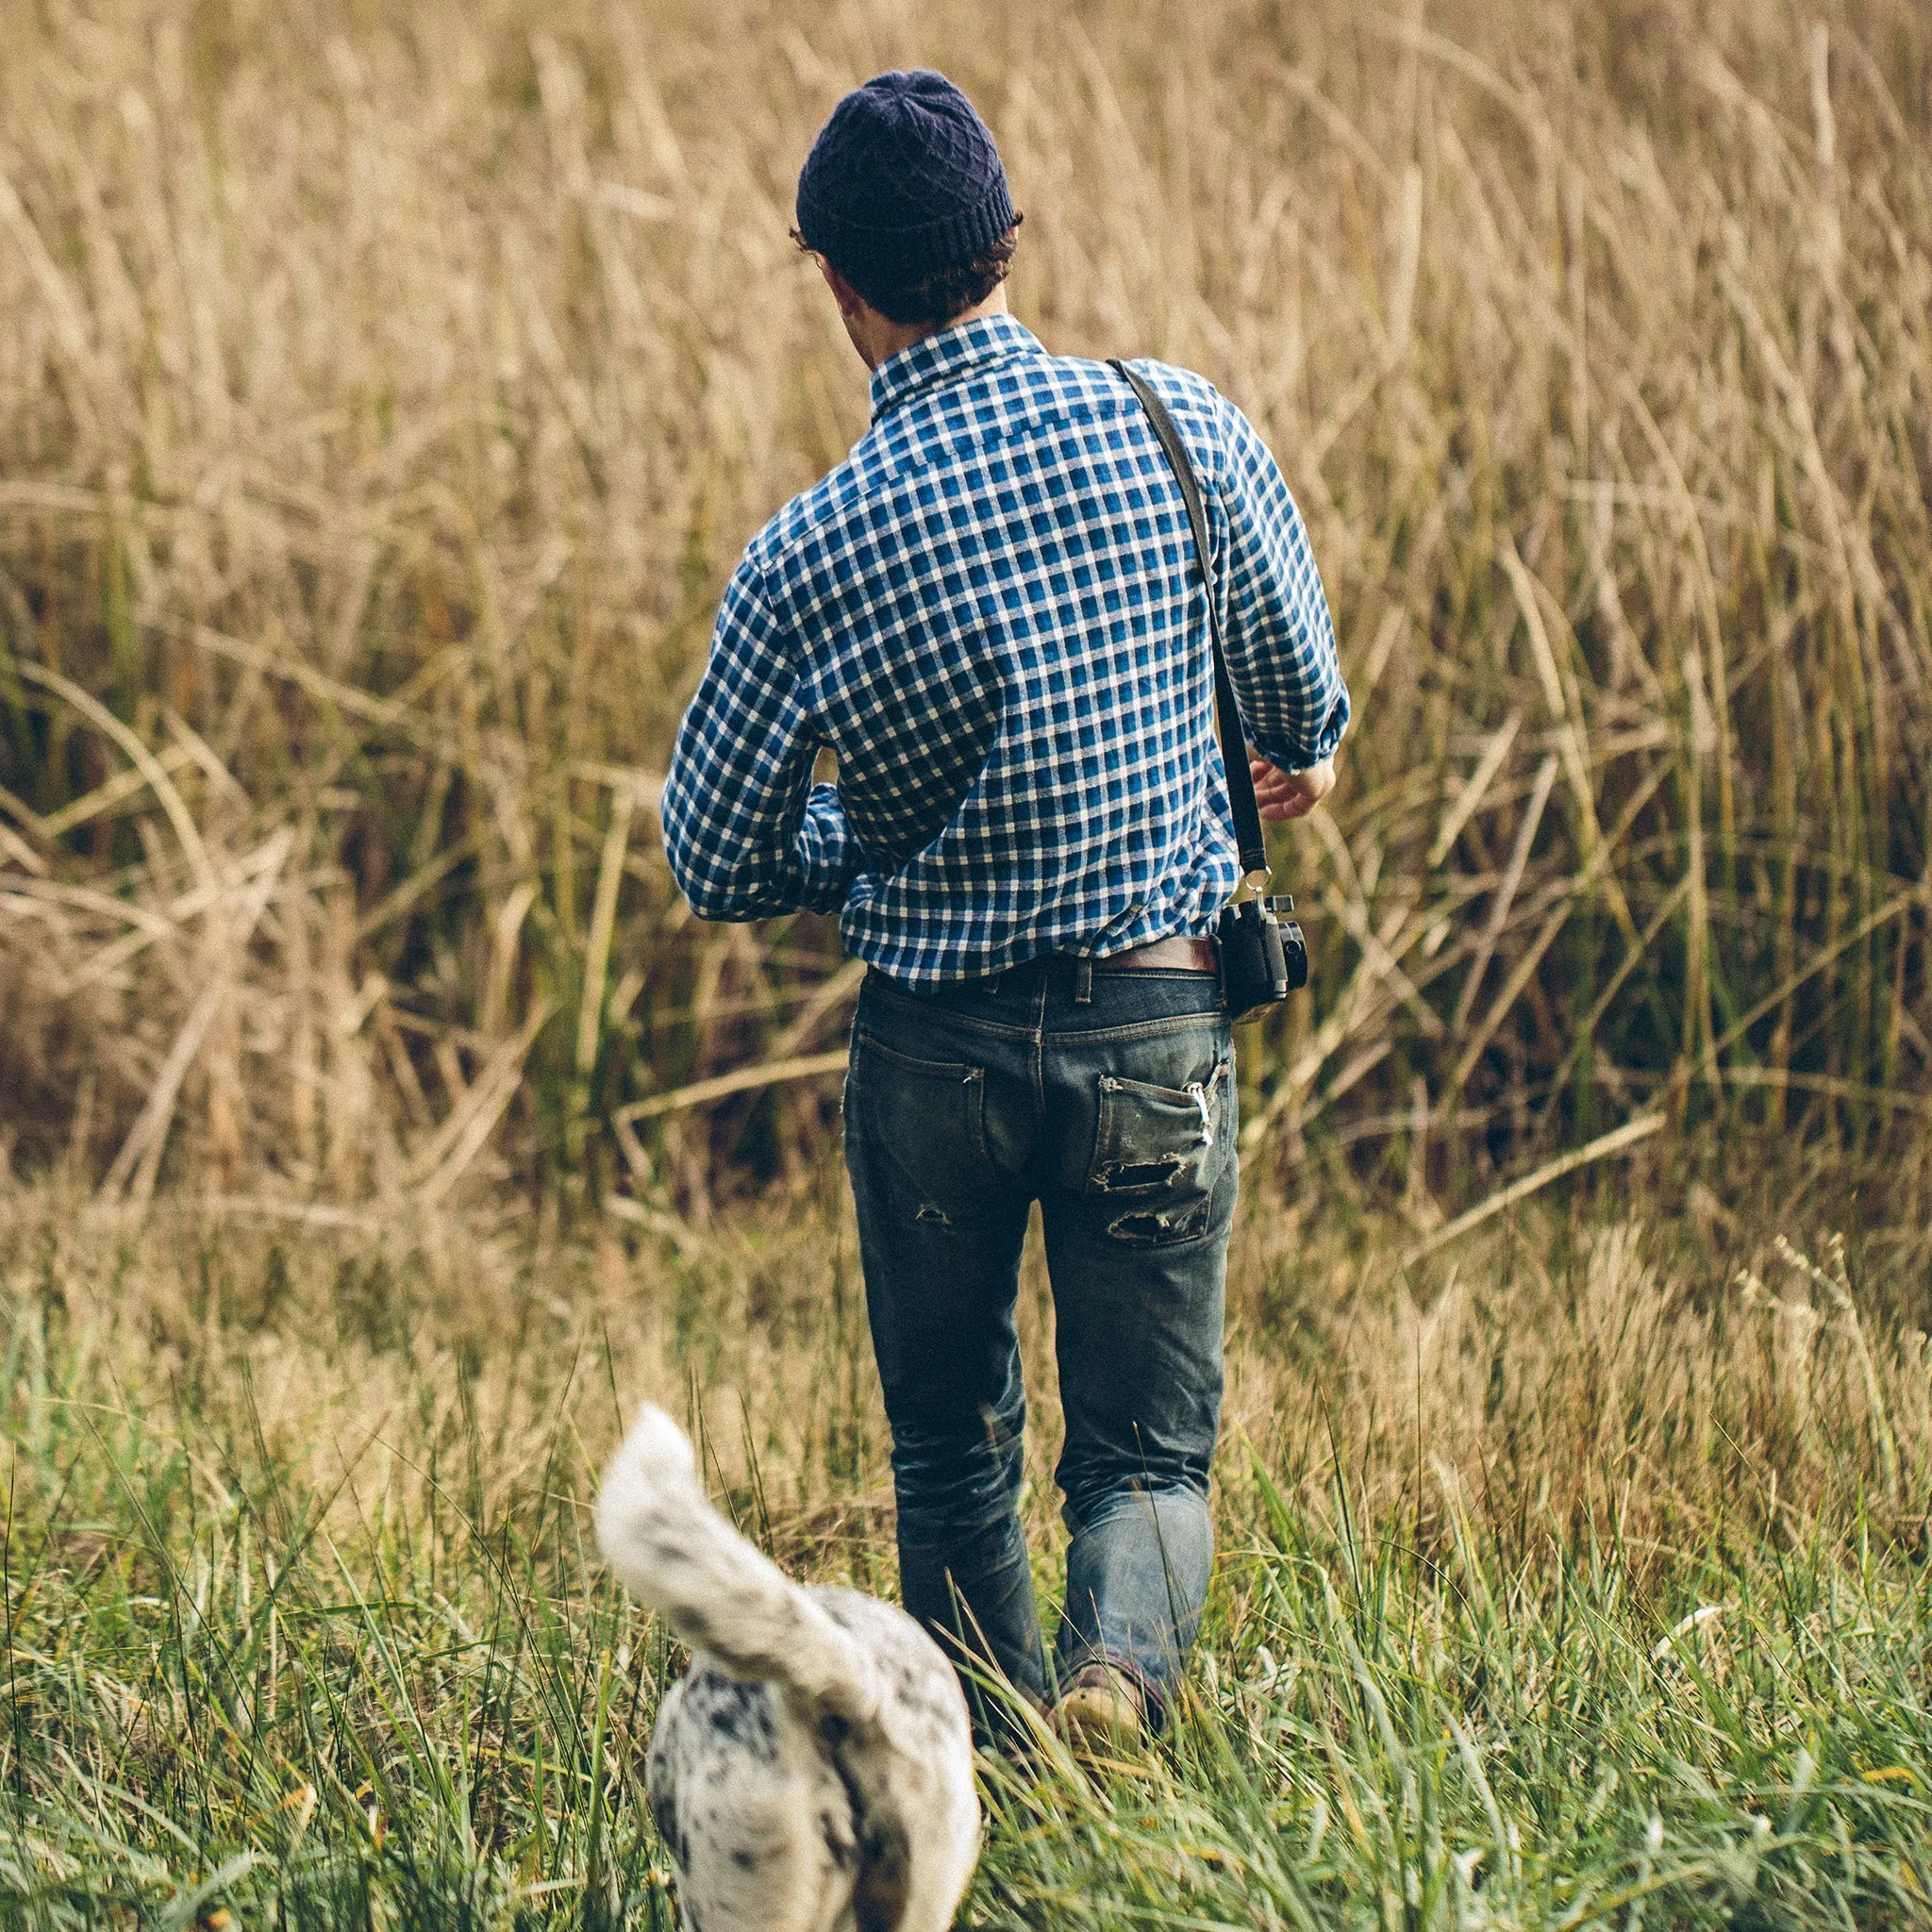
x: 992, y: 613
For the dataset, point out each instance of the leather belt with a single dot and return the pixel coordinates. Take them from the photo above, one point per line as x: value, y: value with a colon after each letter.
x: 1179, y: 954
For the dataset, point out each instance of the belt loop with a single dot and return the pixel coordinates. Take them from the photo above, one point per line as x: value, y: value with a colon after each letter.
x: 1083, y: 979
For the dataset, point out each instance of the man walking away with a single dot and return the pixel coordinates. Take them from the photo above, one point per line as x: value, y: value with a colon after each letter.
x: 992, y: 614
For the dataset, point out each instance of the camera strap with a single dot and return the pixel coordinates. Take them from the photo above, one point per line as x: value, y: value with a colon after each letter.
x: 1234, y: 741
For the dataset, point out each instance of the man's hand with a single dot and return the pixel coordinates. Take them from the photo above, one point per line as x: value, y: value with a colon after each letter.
x: 1289, y: 794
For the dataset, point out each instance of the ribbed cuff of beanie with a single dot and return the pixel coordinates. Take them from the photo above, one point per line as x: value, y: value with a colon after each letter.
x: 910, y: 254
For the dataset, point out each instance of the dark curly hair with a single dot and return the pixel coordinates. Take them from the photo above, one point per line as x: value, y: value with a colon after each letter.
x: 935, y: 299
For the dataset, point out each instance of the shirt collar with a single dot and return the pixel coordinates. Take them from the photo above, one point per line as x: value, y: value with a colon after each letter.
x: 948, y: 355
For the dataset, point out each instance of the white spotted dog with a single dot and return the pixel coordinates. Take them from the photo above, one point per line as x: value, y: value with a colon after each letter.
x: 813, y: 1771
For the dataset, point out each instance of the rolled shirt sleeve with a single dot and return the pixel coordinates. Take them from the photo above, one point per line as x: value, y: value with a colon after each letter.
x: 747, y: 833
x: 1281, y: 639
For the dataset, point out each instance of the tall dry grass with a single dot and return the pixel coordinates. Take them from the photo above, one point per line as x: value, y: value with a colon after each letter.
x: 388, y: 388
x: 1580, y: 1374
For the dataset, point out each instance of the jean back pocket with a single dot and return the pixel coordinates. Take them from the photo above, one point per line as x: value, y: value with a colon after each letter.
x: 919, y: 1129
x: 1158, y: 1153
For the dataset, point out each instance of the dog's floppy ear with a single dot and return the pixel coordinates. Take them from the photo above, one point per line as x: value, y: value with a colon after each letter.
x: 885, y: 1861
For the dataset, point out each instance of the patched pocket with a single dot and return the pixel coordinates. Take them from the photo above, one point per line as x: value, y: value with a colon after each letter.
x: 1157, y: 1154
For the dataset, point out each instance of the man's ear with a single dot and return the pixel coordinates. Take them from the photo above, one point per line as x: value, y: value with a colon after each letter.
x: 848, y: 298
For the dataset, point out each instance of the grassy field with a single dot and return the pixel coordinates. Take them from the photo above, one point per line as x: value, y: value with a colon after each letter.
x: 387, y: 386
x: 1582, y: 1582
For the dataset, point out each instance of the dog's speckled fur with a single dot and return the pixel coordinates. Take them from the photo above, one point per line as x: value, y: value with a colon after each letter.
x: 813, y: 1771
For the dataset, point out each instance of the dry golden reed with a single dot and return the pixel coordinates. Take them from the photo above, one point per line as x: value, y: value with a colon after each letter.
x: 388, y: 387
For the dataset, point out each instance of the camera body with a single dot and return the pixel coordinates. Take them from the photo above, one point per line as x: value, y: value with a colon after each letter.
x: 1263, y: 954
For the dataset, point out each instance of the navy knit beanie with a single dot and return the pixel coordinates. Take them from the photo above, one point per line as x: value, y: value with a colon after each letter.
x: 903, y: 181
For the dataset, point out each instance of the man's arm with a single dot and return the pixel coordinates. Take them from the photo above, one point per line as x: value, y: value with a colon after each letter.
x: 747, y: 833
x: 1280, y: 641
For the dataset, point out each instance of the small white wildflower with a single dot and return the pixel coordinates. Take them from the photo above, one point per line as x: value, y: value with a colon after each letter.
x: 1654, y: 1835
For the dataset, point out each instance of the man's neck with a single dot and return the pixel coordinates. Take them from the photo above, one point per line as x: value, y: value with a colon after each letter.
x: 879, y: 338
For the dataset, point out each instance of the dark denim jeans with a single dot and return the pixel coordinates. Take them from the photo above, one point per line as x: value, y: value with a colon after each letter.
x: 1116, y: 1114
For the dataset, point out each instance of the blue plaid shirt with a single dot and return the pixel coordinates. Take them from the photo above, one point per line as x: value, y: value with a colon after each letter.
x: 991, y: 613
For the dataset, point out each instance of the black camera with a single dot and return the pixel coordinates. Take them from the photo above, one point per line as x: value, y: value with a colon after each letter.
x: 1263, y: 954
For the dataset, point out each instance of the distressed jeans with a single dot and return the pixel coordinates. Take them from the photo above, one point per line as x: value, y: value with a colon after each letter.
x: 1117, y: 1113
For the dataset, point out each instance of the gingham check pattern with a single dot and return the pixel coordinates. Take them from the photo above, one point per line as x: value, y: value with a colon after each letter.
x: 989, y: 612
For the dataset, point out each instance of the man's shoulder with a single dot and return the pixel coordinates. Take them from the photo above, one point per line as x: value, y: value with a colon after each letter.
x: 838, y: 510
x: 1077, y: 382
x: 1203, y: 414
x: 895, y: 452
x: 829, y: 502
x: 1178, y: 386
x: 835, y: 514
